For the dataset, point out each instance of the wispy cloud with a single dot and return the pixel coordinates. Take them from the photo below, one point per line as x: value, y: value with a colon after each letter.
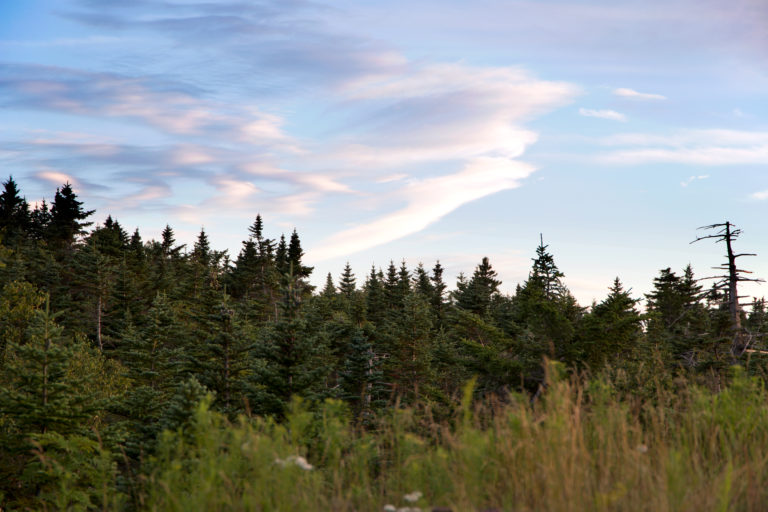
x: 611, y: 115
x: 698, y: 147
x: 633, y: 94
x: 691, y: 179
x: 219, y: 140
x: 427, y: 201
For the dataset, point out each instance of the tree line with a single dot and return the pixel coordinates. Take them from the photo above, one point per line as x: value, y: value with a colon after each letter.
x: 107, y: 340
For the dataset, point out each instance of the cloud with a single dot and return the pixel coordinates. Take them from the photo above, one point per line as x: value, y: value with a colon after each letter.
x: 427, y: 201
x: 632, y: 94
x: 207, y: 103
x: 172, y: 107
x: 695, y: 147
x: 392, y: 177
x: 56, y: 177
x: 611, y: 115
x: 65, y: 42
x: 691, y: 179
x: 761, y: 196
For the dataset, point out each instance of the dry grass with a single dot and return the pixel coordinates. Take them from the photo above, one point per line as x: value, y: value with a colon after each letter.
x: 579, y: 448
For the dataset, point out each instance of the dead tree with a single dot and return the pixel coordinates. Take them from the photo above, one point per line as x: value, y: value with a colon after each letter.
x: 728, y: 233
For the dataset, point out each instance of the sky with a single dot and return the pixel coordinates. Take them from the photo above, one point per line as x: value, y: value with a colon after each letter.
x: 390, y: 130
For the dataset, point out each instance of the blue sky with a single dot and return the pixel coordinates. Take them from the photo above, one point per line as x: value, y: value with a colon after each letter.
x: 404, y: 130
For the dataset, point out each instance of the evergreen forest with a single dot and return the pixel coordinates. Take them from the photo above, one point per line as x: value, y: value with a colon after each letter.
x: 151, y: 375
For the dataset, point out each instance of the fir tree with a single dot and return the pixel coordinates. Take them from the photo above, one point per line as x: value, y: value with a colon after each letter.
x: 613, y: 328
x: 40, y: 221
x: 40, y: 395
x: 67, y: 215
x: 375, y: 299
x: 295, y: 255
x: 347, y: 282
x: 476, y: 294
x: 361, y: 378
x: 15, y: 219
x: 281, y: 256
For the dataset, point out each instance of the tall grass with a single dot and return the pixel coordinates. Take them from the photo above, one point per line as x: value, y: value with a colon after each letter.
x: 579, y: 448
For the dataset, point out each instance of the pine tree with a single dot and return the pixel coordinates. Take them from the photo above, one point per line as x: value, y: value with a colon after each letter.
x: 295, y: 255
x: 546, y: 310
x: 439, y: 287
x: 109, y: 239
x: 422, y: 282
x: 347, y: 282
x: 393, y: 290
x: 15, y: 218
x: 220, y: 359
x: 67, y: 215
x: 39, y: 394
x: 168, y: 244
x: 409, y: 366
x: 476, y: 294
x: 361, y: 379
x: 329, y: 291
x: 375, y: 299
x: 676, y: 316
x: 545, y: 273
x: 40, y: 221
x: 281, y: 256
x: 290, y: 357
x: 613, y: 329
x: 18, y: 303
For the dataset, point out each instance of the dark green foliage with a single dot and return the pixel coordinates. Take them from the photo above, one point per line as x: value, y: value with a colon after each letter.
x: 281, y: 256
x: 677, y: 319
x: 148, y: 337
x: 295, y: 255
x: 67, y: 215
x: 613, y: 330
x: 290, y: 357
x: 476, y: 294
x: 18, y: 303
x: 547, y: 312
x: 361, y: 378
x: 39, y: 395
x: 15, y: 217
x: 347, y: 282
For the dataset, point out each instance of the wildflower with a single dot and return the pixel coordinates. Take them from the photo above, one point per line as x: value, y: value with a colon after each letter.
x: 389, y: 508
x: 642, y: 448
x: 413, y: 497
x: 295, y: 460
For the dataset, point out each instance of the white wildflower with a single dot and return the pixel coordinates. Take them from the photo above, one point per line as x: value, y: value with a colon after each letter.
x: 295, y: 460
x: 413, y: 497
x: 389, y: 508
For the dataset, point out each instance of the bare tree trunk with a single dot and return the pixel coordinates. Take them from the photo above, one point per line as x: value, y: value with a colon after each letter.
x: 98, y: 324
x: 733, y: 279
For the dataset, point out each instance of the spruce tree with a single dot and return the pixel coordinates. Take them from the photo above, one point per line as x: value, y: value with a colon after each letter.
x: 295, y: 255
x: 612, y: 331
x: 67, y: 216
x: 361, y: 379
x: 677, y: 319
x: 39, y: 394
x: 347, y: 282
x: 15, y: 218
x: 476, y: 294
x: 375, y: 299
x: 281, y: 256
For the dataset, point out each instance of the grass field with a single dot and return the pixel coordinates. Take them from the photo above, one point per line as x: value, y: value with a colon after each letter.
x: 579, y: 447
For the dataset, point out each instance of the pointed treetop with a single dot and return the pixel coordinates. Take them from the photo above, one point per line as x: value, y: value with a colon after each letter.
x: 257, y: 228
x: 347, y: 281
